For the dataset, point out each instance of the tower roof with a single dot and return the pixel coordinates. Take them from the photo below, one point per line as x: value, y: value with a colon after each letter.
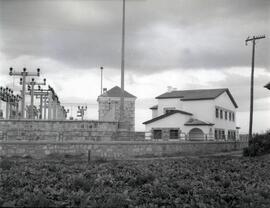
x: 116, y: 92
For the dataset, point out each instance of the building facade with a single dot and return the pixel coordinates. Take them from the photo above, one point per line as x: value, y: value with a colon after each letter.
x: 109, y: 107
x: 206, y: 114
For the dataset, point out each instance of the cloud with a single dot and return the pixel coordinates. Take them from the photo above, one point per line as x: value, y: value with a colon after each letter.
x: 159, y: 35
x: 238, y: 81
x: 187, y: 44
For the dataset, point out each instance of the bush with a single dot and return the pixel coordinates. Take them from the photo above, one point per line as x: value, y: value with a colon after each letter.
x: 80, y: 182
x: 6, y: 164
x: 116, y: 201
x: 35, y: 200
x: 259, y: 145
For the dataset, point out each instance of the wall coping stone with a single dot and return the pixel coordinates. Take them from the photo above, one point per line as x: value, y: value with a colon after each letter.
x: 117, y: 142
x: 67, y: 121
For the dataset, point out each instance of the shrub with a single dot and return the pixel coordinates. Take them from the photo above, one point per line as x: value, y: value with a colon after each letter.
x: 6, y: 164
x: 259, y: 145
x: 34, y: 200
x: 141, y: 179
x: 116, y: 201
x: 100, y: 160
x: 80, y: 182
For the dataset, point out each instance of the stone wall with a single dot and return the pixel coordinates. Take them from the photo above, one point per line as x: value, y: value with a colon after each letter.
x: 109, y: 110
x: 57, y: 130
x: 116, y: 149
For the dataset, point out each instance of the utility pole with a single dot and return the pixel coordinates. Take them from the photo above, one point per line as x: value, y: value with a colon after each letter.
x: 8, y: 98
x: 23, y: 76
x: 31, y: 88
x: 101, y: 79
x: 53, y: 104
x: 42, y: 95
x: 50, y: 102
x: 253, y: 40
x: 1, y: 99
x: 12, y: 102
x: 81, y: 110
x: 122, y: 101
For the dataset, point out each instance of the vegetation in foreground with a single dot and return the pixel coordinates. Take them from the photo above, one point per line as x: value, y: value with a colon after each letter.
x: 259, y: 145
x: 189, y: 182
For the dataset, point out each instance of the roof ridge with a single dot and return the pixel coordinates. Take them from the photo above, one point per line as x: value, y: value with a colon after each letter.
x: 198, y: 89
x: 166, y: 115
x: 116, y: 92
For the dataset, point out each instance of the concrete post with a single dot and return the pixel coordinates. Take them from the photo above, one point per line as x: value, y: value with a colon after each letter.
x: 41, y: 106
x: 1, y: 112
x: 45, y: 108
x: 7, y: 108
x: 54, y: 109
x: 32, y: 101
x: 50, y: 106
x: 23, y: 94
x: 17, y: 109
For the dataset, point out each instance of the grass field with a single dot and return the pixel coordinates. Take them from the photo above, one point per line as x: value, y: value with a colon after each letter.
x: 187, y: 182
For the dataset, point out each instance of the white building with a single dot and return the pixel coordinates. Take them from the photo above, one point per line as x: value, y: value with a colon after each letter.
x: 194, y: 114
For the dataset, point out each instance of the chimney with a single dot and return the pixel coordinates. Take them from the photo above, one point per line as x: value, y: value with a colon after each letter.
x: 104, y: 90
x: 169, y: 88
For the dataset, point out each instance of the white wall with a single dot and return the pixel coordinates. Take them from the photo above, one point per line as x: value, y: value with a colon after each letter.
x: 224, y: 101
x: 154, y: 113
x: 168, y: 103
x: 205, y: 129
x: 201, y: 109
x: 176, y: 120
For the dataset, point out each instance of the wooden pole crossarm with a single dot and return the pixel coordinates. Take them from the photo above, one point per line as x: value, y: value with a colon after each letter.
x: 254, y: 38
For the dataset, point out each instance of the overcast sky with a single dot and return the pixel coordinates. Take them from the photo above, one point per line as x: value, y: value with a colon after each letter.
x: 187, y: 44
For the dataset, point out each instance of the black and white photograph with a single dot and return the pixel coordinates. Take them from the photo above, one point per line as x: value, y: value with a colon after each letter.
x: 135, y: 103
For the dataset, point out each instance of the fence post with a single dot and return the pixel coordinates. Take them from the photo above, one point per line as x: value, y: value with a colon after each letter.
x: 89, y: 156
x: 5, y: 136
x: 235, y: 145
x: 60, y: 137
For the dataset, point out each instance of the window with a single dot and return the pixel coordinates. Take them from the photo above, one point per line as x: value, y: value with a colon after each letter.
x: 168, y: 110
x: 233, y: 116
x: 216, y: 112
x: 174, y: 134
x: 223, y: 134
x: 219, y: 134
x: 226, y: 115
x: 157, y: 134
x: 230, y: 116
x: 221, y: 114
x: 231, y: 135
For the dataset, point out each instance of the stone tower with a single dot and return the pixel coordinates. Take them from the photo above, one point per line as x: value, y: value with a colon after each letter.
x: 109, y: 107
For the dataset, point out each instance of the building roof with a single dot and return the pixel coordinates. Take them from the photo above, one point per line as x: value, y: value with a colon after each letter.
x: 116, y: 92
x: 201, y: 94
x: 154, y: 107
x: 166, y: 115
x: 197, y: 122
